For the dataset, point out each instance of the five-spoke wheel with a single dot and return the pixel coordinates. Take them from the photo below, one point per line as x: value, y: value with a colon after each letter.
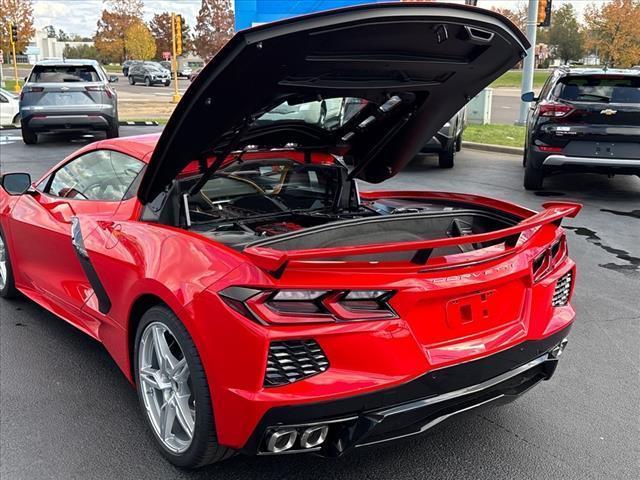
x: 166, y: 390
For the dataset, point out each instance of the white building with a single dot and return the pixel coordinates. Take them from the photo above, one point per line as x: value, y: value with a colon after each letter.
x: 43, y: 47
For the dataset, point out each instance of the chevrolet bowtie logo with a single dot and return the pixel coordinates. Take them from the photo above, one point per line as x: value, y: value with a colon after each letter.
x: 608, y: 111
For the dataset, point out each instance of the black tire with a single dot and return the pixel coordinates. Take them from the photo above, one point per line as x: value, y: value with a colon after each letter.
x: 166, y: 84
x: 131, y: 80
x: 29, y: 137
x: 445, y: 158
x: 533, y: 177
x: 147, y: 82
x: 114, y: 130
x: 9, y: 290
x: 204, y: 449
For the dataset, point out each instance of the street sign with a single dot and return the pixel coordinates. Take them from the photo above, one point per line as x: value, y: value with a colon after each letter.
x: 166, y: 55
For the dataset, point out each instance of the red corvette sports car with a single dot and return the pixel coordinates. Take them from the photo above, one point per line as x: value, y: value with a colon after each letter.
x: 255, y: 298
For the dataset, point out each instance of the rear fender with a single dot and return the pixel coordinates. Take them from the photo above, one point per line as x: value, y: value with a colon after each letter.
x: 131, y: 259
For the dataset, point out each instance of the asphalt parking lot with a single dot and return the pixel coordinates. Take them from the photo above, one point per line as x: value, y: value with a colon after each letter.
x: 67, y: 412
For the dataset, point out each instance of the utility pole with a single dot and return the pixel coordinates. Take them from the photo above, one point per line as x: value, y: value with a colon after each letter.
x: 174, y: 58
x: 529, y: 61
x: 1, y: 69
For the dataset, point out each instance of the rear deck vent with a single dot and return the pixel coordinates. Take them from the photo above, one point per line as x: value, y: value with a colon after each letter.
x: 293, y: 360
x: 562, y: 291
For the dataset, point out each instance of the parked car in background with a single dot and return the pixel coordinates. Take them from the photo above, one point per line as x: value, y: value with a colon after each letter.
x: 234, y: 270
x: 127, y: 65
x: 448, y: 140
x: 9, y: 108
x: 184, y: 71
x: 585, y: 120
x: 69, y: 96
x: 149, y: 73
x: 193, y: 76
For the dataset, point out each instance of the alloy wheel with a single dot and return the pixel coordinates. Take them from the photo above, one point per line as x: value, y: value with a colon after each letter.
x: 3, y: 264
x: 165, y: 383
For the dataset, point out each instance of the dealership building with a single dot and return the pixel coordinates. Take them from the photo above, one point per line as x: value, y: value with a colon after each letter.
x: 249, y: 13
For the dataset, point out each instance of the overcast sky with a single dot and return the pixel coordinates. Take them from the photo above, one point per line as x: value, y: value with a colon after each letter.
x: 81, y: 16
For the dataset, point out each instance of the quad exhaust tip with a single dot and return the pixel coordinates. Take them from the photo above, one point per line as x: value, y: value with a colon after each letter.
x: 284, y: 439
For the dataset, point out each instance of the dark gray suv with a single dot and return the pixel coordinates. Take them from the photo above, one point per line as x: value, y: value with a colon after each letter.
x: 69, y: 95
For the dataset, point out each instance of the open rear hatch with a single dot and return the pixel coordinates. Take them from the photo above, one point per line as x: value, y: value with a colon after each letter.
x: 413, y: 64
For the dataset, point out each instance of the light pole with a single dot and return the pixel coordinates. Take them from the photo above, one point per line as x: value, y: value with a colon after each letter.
x: 529, y: 61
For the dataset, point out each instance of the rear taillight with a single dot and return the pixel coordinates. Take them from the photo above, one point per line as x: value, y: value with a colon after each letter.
x: 555, y: 109
x: 546, y: 148
x: 291, y: 306
x: 549, y: 259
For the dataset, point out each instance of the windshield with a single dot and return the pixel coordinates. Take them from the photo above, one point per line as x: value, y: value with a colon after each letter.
x: 273, y: 185
x: 599, y: 88
x: 329, y: 114
x: 63, y: 73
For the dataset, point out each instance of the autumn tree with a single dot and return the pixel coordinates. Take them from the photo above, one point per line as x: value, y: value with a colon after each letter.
x: 160, y: 27
x: 214, y: 27
x: 20, y: 13
x: 518, y: 16
x: 139, y: 43
x: 565, y: 34
x: 612, y: 31
x: 116, y: 19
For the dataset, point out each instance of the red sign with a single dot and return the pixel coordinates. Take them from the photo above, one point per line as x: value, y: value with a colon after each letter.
x: 166, y: 55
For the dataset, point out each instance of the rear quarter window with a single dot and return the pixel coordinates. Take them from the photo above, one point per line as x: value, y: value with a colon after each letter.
x: 600, y: 89
x: 63, y: 73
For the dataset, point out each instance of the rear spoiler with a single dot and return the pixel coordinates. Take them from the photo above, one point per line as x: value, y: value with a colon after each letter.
x: 275, y: 261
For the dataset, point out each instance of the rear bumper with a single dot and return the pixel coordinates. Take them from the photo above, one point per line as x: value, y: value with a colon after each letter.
x: 416, y: 406
x: 67, y: 122
x: 564, y: 160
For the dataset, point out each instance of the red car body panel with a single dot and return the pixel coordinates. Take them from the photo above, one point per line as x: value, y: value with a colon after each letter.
x: 138, y: 261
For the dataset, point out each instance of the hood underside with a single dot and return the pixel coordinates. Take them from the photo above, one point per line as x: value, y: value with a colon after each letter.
x: 413, y: 65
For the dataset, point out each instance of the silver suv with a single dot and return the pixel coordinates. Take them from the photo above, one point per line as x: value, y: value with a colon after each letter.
x: 69, y: 95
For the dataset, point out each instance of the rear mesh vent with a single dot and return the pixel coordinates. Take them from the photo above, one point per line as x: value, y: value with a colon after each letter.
x: 561, y: 293
x: 294, y: 360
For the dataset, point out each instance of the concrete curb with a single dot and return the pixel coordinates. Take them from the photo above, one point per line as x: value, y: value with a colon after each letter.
x: 148, y: 123
x: 123, y: 123
x: 493, y: 148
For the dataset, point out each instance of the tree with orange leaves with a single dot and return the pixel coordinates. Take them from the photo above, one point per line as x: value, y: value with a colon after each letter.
x: 20, y: 13
x: 612, y: 32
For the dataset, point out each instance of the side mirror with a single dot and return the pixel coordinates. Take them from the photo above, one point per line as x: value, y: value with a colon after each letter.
x: 113, y: 79
x: 528, y: 97
x: 16, y: 183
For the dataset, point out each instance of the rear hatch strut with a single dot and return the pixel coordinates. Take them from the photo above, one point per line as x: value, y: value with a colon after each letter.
x: 275, y: 261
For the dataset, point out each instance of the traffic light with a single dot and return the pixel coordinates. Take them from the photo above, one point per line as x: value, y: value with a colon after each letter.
x: 13, y: 33
x: 544, y: 13
x: 179, y: 25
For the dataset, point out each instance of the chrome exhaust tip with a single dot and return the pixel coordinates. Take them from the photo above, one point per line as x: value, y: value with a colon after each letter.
x: 556, y: 351
x: 281, y: 440
x: 314, y: 436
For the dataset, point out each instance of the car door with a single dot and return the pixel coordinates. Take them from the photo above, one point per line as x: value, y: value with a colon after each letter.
x: 6, y: 109
x: 93, y: 183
